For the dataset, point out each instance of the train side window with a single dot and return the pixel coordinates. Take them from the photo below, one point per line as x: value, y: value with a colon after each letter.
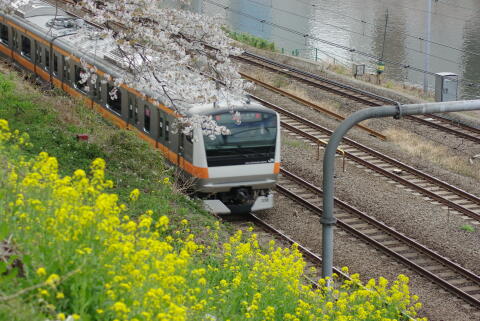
x: 26, y: 47
x: 160, y: 127
x: 47, y: 59
x: 55, y: 64
x: 167, y: 129
x: 4, y: 34
x: 114, y: 103
x: 78, y: 78
x: 146, y: 118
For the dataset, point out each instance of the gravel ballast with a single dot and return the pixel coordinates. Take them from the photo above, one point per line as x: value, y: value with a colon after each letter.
x: 413, y: 215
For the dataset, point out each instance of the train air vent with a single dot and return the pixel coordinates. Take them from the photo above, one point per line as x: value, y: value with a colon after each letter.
x: 65, y: 23
x: 115, y: 57
x: 122, y: 59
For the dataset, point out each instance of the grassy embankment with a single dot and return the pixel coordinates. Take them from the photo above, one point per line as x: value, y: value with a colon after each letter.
x: 150, y: 255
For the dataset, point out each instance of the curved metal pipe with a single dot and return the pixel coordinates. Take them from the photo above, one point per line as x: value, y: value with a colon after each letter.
x: 328, y: 220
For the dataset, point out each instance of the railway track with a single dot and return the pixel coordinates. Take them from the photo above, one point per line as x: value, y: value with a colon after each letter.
x: 311, y: 105
x: 367, y: 98
x: 440, y: 270
x: 370, y: 99
x: 459, y: 201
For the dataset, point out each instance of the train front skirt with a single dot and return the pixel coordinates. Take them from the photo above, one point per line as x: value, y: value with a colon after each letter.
x: 218, y: 207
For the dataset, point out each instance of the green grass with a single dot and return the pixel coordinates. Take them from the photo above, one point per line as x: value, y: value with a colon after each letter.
x: 17, y: 310
x: 295, y: 143
x: 467, y: 228
x: 280, y: 82
x: 53, y: 120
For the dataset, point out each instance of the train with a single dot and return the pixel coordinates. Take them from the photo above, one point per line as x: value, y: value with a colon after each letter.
x: 231, y: 173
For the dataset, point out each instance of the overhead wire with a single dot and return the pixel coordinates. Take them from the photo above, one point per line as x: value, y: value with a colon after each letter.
x: 305, y: 35
x: 397, y: 4
x: 391, y: 28
x: 353, y: 32
x: 330, y: 43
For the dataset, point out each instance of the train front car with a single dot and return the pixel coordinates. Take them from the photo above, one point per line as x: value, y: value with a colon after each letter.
x: 244, y: 164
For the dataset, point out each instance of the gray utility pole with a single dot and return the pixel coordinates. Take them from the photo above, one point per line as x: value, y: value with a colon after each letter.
x: 384, y: 34
x: 428, y: 24
x: 328, y: 220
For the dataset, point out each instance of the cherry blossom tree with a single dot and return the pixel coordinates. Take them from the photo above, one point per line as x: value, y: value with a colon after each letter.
x: 9, y: 5
x: 178, y: 56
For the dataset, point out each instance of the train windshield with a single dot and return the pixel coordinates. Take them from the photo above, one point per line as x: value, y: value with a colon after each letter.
x: 251, y: 140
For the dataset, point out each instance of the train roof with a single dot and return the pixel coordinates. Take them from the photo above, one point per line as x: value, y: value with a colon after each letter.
x: 239, y: 103
x: 64, y: 28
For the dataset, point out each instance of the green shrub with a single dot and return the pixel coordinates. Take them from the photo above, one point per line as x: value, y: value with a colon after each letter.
x: 251, y: 40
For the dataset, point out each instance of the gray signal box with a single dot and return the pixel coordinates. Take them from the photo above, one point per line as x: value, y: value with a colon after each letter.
x: 358, y: 70
x: 446, y: 86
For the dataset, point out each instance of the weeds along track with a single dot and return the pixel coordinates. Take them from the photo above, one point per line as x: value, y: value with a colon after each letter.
x: 460, y: 202
x: 440, y: 270
x: 440, y: 123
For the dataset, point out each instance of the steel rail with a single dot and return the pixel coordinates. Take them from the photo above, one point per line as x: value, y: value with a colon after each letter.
x: 310, y: 104
x: 395, y: 163
x: 377, y: 100
x: 359, y: 95
x: 454, y: 267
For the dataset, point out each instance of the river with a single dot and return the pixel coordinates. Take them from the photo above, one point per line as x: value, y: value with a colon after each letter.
x: 351, y: 32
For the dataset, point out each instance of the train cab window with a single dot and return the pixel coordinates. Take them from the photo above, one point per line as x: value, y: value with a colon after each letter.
x: 167, y: 129
x: 26, y: 47
x: 4, y: 33
x: 47, y: 59
x: 55, y: 64
x: 160, y: 127
x: 146, y: 118
x: 114, y: 98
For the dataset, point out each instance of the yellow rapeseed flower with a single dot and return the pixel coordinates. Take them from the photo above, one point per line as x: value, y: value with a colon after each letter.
x: 134, y: 194
x: 41, y: 271
x: 53, y: 280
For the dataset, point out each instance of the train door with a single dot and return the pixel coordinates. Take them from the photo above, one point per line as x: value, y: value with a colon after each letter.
x: 4, y: 38
x: 132, y: 113
x: 14, y: 47
x: 181, y: 149
x: 37, y: 60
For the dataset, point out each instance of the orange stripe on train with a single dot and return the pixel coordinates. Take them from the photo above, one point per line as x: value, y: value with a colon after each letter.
x: 199, y: 172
